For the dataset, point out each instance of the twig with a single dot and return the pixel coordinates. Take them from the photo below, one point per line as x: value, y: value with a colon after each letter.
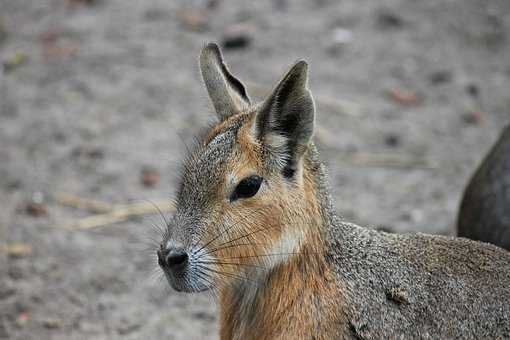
x: 384, y: 160
x: 16, y: 249
x: 83, y: 203
x: 120, y: 213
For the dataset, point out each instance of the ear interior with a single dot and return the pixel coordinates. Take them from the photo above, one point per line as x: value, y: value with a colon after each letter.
x: 227, y: 93
x: 285, y: 121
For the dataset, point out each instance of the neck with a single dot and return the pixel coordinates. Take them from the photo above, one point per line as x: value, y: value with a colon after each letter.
x: 273, y: 301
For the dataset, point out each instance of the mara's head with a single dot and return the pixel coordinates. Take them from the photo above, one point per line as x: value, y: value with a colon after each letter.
x: 246, y: 195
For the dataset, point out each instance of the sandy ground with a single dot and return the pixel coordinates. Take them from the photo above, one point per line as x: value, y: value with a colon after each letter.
x: 411, y: 94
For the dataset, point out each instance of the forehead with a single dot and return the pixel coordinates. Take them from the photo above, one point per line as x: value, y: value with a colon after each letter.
x: 207, y: 165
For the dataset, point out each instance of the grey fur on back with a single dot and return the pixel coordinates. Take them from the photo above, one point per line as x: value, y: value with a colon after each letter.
x: 416, y: 286
x: 422, y: 286
x: 484, y: 213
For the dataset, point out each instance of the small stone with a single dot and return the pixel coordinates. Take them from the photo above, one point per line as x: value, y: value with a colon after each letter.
x: 22, y: 319
x: 392, y: 140
x: 473, y: 118
x: 36, y: 209
x: 52, y: 323
x: 127, y: 326
x: 405, y: 98
x: 202, y: 315
x: 87, y: 151
x: 414, y: 216
x: 38, y: 197
x: 150, y: 177
x: 440, y: 77
x: 237, y: 36
x: 16, y: 61
x: 213, y: 4
x: 388, y: 20
x: 73, y: 3
x: 193, y: 19
x: 472, y: 90
x: 59, y: 53
x: 36, y: 206
x: 156, y: 14
x: 341, y: 36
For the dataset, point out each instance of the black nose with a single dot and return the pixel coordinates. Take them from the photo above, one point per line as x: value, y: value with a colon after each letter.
x: 174, y: 258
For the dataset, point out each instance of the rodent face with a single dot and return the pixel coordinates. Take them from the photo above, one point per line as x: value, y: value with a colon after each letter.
x: 245, y: 199
x: 232, y: 210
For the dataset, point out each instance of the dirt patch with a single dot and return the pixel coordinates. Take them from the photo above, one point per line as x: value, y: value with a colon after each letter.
x: 98, y: 98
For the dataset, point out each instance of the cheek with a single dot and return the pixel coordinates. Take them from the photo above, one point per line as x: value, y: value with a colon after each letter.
x: 247, y: 232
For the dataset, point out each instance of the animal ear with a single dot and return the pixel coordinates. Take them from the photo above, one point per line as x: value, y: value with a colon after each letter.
x: 227, y: 93
x: 285, y: 121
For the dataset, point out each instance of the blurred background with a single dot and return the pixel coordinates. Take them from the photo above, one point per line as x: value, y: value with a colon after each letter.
x: 98, y: 99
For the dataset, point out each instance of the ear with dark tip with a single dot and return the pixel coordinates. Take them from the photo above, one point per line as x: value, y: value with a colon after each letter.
x: 227, y: 93
x: 285, y: 121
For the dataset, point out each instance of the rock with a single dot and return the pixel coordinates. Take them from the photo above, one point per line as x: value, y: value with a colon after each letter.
x: 203, y: 315
x: 213, y: 4
x: 341, y: 36
x: 385, y: 19
x: 36, y: 209
x: 16, y: 61
x: 52, y: 323
x: 237, y: 36
x: 156, y: 14
x: 473, y: 117
x: 193, y: 19
x: 392, y: 140
x: 405, y: 98
x: 22, y: 319
x: 472, y: 90
x: 88, y: 152
x: 150, y: 177
x: 74, y: 3
x: 440, y: 77
x: 127, y: 327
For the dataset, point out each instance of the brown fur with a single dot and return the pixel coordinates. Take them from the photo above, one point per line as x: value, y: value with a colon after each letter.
x: 306, y: 280
x: 284, y: 266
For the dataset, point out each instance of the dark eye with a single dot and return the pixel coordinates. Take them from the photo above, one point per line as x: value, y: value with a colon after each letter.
x: 248, y: 187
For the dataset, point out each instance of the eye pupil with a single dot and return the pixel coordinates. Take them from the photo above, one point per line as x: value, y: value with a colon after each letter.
x: 248, y: 187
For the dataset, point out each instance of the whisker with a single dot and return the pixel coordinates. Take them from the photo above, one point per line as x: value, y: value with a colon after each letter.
x: 159, y: 211
x: 233, y: 264
x: 266, y: 255
x: 233, y: 225
x: 231, y: 275
x: 241, y: 237
x: 236, y: 245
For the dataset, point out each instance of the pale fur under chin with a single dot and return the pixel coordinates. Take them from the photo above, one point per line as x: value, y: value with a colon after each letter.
x: 280, y: 252
x: 288, y: 245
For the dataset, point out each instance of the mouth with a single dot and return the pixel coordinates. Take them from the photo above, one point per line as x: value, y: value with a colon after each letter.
x: 185, y: 277
x: 187, y: 283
